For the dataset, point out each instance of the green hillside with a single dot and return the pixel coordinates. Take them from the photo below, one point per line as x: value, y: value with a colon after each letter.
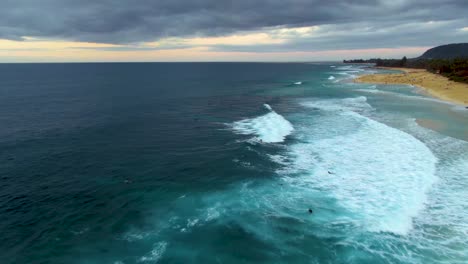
x: 450, y: 51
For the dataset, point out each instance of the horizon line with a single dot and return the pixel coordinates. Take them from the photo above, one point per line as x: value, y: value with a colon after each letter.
x: 83, y: 62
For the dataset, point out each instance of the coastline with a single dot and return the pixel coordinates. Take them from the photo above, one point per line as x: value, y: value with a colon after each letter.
x: 434, y: 84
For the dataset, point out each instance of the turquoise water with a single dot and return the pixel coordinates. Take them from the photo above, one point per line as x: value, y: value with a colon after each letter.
x: 220, y: 163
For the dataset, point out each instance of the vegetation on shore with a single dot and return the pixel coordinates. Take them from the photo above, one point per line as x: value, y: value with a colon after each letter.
x: 454, y: 69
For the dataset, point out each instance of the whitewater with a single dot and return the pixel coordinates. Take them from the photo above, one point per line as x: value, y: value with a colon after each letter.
x: 377, y: 181
x: 382, y: 188
x: 269, y: 128
x: 228, y: 163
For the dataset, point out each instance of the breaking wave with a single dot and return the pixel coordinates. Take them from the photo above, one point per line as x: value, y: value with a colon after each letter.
x: 378, y: 174
x: 270, y: 128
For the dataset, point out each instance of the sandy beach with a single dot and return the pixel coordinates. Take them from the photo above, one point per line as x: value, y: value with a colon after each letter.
x: 434, y: 84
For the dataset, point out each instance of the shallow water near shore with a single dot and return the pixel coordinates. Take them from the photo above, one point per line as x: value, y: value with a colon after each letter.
x: 220, y: 163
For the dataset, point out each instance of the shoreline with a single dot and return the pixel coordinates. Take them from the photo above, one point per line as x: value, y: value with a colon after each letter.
x: 434, y: 84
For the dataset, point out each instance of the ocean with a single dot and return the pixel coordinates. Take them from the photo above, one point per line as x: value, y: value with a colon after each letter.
x: 221, y: 162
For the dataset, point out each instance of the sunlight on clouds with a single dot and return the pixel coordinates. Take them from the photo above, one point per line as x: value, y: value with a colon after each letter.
x: 298, y: 32
x: 235, y: 40
x: 273, y: 36
x: 238, y: 40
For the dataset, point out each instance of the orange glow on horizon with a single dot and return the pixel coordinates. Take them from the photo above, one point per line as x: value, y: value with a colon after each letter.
x: 36, y: 50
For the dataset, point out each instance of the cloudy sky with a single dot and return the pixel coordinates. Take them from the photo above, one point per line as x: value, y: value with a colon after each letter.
x: 225, y: 30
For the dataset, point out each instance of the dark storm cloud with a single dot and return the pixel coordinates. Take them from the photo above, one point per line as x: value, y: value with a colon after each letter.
x: 367, y: 35
x: 131, y: 21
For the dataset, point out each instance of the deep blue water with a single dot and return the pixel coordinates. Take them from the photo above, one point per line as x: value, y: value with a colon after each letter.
x: 220, y: 162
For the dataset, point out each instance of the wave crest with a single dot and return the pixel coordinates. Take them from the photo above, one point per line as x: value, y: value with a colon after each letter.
x: 378, y: 174
x: 270, y: 128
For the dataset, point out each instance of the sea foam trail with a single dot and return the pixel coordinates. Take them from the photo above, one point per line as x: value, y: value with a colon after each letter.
x: 402, y: 96
x: 379, y: 175
x: 270, y: 128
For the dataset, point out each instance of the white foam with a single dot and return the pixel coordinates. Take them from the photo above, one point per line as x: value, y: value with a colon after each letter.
x: 344, y: 68
x: 267, y: 106
x: 403, y: 96
x: 269, y: 128
x: 192, y: 222
x: 350, y: 71
x: 378, y: 173
x: 135, y: 235
x: 331, y: 78
x: 443, y: 227
x: 298, y: 83
x: 374, y: 91
x: 380, y: 179
x: 212, y: 213
x: 460, y: 108
x: 155, y: 254
x: 356, y: 104
x: 279, y: 159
